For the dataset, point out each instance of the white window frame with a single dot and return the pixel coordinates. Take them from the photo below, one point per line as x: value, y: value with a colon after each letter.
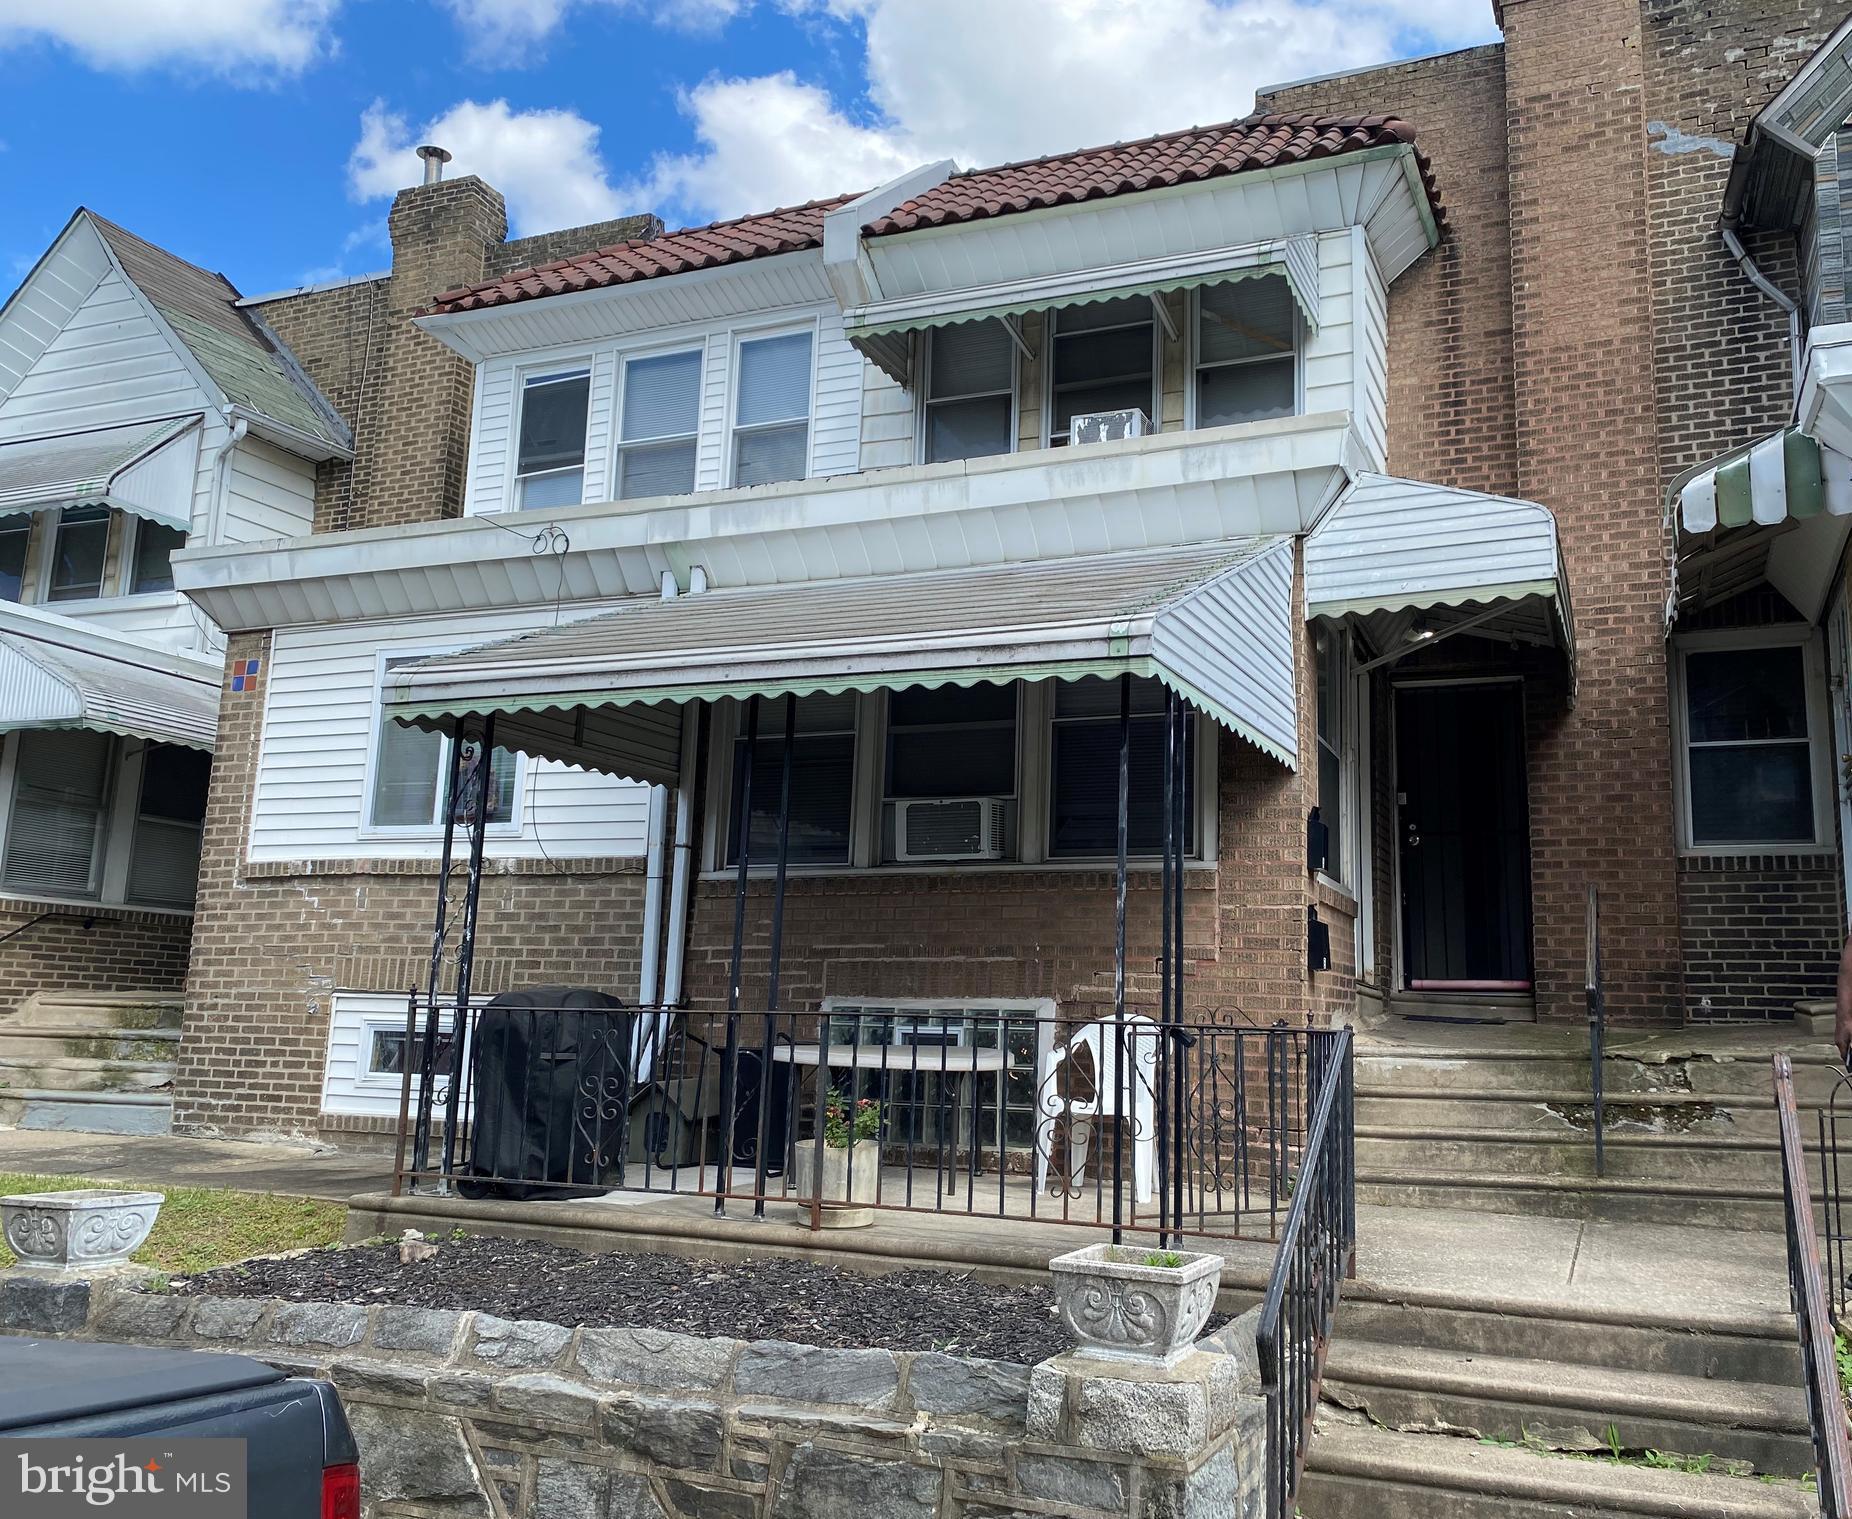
x: 1051, y: 321
x: 510, y: 828
x: 579, y: 366
x: 132, y: 529
x: 1349, y: 699
x: 614, y: 469
x: 373, y: 1093
x: 1192, y: 340
x: 737, y: 339
x: 25, y: 523
x: 1819, y: 735
x: 922, y: 404
x: 48, y: 557
x: 1034, y: 746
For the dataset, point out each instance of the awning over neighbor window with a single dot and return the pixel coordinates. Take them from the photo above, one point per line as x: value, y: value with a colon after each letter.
x: 881, y: 330
x: 1777, y: 511
x: 57, y: 674
x: 144, y: 468
x: 1786, y: 475
x: 1408, y: 557
x: 1212, y: 621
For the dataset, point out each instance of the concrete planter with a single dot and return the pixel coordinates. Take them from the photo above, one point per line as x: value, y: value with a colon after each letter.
x: 76, y: 1231
x: 849, y: 1176
x: 1116, y: 1306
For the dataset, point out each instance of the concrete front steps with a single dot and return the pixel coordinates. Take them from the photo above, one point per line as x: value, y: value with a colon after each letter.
x: 1455, y: 1407
x: 90, y: 1062
x: 1366, y: 1473
x: 1502, y: 1120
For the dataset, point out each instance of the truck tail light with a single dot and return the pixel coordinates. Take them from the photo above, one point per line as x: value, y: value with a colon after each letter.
x: 341, y: 1492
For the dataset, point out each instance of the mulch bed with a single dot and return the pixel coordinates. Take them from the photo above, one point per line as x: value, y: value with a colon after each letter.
x: 772, y: 1299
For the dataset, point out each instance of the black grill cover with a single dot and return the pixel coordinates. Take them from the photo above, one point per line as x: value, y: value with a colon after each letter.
x: 550, y: 1074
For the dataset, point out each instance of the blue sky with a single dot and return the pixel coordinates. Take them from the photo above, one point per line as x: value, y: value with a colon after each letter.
x: 263, y: 138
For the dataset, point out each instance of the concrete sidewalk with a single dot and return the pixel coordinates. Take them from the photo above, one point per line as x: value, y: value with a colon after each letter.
x: 165, y: 1160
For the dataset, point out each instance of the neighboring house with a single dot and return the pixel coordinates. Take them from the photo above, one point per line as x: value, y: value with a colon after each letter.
x: 141, y: 409
x: 1376, y: 487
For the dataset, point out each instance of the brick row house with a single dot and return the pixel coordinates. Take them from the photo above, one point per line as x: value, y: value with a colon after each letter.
x: 1391, y: 398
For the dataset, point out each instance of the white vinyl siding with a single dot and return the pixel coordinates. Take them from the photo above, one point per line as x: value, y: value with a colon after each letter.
x: 268, y: 494
x: 320, y: 724
x: 363, y: 1027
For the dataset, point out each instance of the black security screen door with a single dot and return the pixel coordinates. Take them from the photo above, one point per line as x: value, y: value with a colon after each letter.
x: 1465, y: 838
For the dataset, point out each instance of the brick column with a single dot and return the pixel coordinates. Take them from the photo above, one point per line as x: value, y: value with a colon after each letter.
x: 1582, y: 304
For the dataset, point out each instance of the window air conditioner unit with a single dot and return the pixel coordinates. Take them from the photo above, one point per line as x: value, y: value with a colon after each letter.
x: 955, y: 828
x: 1105, y: 426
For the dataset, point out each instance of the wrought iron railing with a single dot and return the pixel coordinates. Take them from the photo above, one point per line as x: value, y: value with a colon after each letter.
x: 1826, y: 1408
x: 1003, y: 1113
x: 1597, y: 1024
x: 1318, y: 1250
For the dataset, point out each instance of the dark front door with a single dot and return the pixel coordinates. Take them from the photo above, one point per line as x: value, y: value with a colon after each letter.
x: 1465, y: 838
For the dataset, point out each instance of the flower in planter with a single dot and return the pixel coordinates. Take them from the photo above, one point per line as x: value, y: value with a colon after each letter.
x: 841, y: 1120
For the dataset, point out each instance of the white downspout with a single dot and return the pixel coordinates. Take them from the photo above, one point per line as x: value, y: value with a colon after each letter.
x: 652, y: 897
x: 215, y: 512
x: 683, y: 868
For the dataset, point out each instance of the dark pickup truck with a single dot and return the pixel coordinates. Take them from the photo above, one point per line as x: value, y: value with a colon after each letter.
x: 300, y: 1460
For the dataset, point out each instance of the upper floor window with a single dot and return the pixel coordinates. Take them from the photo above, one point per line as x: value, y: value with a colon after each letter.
x: 1246, y: 351
x: 822, y: 782
x: 550, y: 460
x: 149, y: 560
x: 1103, y: 358
x: 1753, y: 741
x: 15, y: 535
x: 169, y: 818
x: 970, y: 373
x: 79, y: 549
x: 660, y: 420
x: 1083, y: 815
x: 771, y: 412
x: 951, y: 773
x: 61, y: 789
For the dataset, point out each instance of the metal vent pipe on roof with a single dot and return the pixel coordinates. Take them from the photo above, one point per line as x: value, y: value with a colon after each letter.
x: 434, y: 160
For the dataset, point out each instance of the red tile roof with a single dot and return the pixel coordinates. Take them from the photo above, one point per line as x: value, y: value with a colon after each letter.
x: 1152, y: 163
x: 1175, y: 158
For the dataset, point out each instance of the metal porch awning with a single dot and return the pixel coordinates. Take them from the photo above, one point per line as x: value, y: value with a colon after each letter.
x: 881, y: 331
x: 143, y: 468
x: 1214, y: 622
x: 1778, y: 511
x: 1412, y: 560
x: 80, y: 678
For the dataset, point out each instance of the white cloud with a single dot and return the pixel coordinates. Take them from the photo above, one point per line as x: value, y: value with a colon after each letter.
x: 984, y: 82
x: 545, y: 162
x: 239, y: 38
x: 514, y: 31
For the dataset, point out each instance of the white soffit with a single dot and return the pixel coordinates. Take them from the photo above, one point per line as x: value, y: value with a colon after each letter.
x: 144, y: 468
x: 1159, y: 491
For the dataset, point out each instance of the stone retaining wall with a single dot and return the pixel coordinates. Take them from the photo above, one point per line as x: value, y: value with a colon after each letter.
x: 466, y: 1414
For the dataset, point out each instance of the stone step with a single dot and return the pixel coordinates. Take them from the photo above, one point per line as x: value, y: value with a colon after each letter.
x: 1656, y: 1066
x: 1748, y: 1164
x: 1566, y: 1407
x: 67, y: 1074
x: 87, y: 1112
x: 102, y: 1010
x: 1356, y: 1472
x: 1745, y: 1349
x: 1647, y: 1202
x: 1571, y: 1113
x: 76, y: 1042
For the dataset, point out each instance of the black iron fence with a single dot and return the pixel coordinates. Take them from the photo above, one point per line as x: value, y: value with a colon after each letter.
x: 1318, y: 1250
x: 1826, y: 1408
x: 1125, y: 1122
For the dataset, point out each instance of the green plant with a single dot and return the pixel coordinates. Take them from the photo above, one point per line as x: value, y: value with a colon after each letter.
x: 1612, y: 1439
x: 1168, y: 1258
x: 839, y: 1126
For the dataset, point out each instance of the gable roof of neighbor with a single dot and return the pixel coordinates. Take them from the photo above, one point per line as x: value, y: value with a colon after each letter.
x: 1172, y: 158
x: 238, y: 353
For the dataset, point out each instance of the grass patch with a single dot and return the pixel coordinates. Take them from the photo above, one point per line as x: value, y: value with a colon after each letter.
x: 203, y: 1227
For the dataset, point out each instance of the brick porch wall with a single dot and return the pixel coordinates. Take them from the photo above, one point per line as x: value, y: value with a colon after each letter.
x: 89, y: 949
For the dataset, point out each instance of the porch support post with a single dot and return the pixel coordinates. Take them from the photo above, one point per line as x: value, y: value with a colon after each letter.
x: 1182, y: 1040
x: 778, y: 946
x: 1125, y: 1105
x: 730, y: 1059
x: 466, y: 949
x: 427, y: 1058
x: 1168, y: 1157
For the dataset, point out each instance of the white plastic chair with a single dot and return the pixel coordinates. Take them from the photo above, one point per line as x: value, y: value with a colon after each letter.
x: 1130, y: 1095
